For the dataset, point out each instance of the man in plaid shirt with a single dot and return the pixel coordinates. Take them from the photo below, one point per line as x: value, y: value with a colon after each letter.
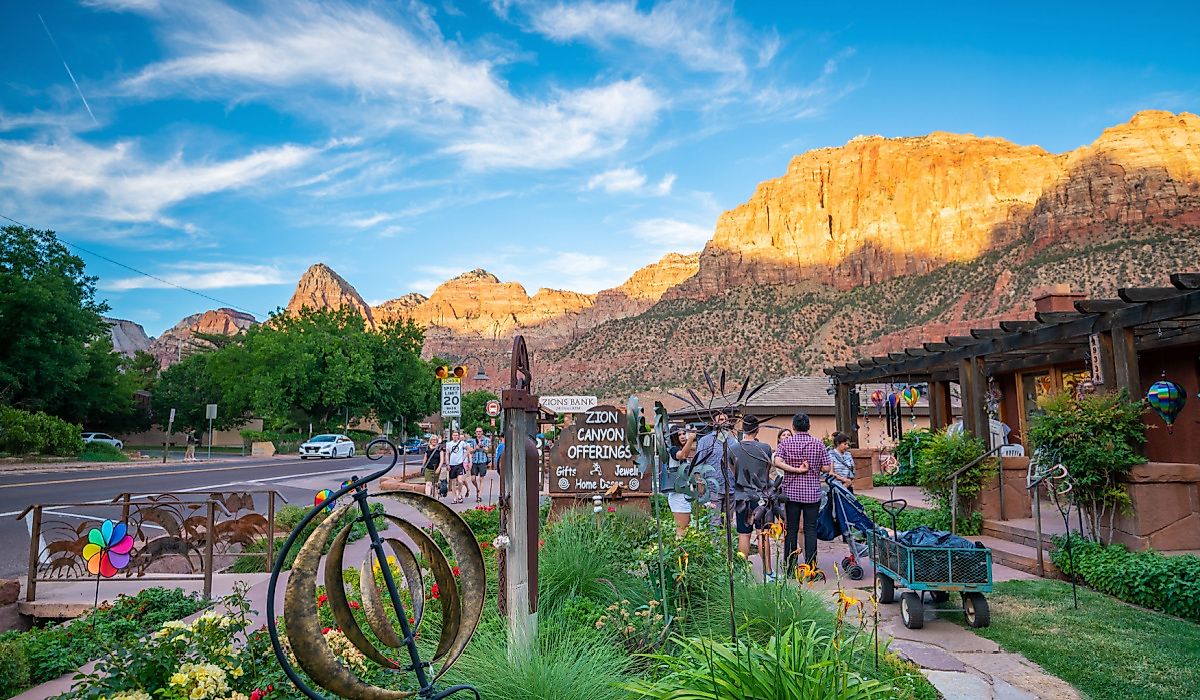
x: 802, y: 458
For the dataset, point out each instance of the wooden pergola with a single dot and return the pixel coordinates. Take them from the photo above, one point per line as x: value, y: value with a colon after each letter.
x: 1108, y: 332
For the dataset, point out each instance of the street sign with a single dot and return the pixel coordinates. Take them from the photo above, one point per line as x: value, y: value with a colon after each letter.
x: 210, y: 411
x: 493, y: 408
x: 451, y: 399
x: 172, y: 418
x: 568, y: 404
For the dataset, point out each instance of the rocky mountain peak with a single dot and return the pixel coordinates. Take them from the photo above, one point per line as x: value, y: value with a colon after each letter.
x: 180, y: 340
x: 322, y: 288
x: 476, y: 276
x: 128, y: 338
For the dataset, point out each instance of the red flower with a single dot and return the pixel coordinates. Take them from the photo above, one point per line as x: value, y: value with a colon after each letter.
x: 434, y: 593
x: 271, y: 688
x: 612, y: 510
x: 257, y: 694
x: 325, y: 630
x: 354, y: 605
x: 541, y: 543
x: 485, y: 545
x: 321, y: 600
x: 412, y: 621
x: 455, y: 571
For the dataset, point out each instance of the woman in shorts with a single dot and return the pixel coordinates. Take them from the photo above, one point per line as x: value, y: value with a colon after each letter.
x: 681, y: 448
x: 434, y: 466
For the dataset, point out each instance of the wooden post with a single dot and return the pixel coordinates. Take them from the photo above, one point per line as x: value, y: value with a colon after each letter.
x: 1125, y: 363
x: 35, y: 538
x: 973, y: 383
x: 210, y: 527
x: 843, y: 413
x: 940, y: 412
x: 520, y: 494
x: 1106, y: 381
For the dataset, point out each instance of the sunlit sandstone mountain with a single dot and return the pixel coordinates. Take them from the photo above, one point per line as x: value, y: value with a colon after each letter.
x: 878, y: 208
x: 845, y: 254
x: 181, y: 340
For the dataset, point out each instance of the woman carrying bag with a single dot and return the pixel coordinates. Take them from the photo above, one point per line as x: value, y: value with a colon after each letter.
x: 434, y: 467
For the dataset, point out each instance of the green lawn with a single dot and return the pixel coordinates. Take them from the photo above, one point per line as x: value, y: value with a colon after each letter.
x: 1108, y: 650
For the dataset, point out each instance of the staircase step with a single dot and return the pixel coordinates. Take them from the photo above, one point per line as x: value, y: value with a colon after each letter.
x: 1016, y: 556
x: 1019, y: 534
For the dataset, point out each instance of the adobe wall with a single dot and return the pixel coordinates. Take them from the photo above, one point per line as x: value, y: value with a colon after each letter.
x: 1182, y: 444
x: 1017, y: 500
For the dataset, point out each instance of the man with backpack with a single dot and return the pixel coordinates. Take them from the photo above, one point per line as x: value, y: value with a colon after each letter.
x: 457, y: 451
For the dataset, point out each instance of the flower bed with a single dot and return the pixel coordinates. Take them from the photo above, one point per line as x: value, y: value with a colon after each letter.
x: 43, y: 654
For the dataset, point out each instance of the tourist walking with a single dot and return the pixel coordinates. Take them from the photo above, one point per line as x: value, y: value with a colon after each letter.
x: 189, y: 454
x: 802, y: 458
x: 480, y: 446
x: 753, y: 474
x: 457, y: 451
x: 681, y: 447
x: 843, y: 461
x: 434, y: 468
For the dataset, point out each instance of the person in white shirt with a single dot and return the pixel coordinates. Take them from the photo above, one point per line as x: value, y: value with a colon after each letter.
x: 457, y: 451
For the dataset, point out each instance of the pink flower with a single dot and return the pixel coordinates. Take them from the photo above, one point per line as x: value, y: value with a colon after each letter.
x: 612, y: 510
x: 455, y: 571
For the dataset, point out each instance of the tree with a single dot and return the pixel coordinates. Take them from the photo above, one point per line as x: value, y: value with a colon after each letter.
x: 474, y: 411
x: 48, y: 317
x: 188, y: 386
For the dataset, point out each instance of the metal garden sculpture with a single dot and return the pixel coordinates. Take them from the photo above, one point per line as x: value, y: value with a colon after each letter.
x: 461, y: 607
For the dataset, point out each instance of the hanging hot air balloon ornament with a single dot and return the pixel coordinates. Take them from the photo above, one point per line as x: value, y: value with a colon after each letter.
x: 911, y: 395
x: 1167, y: 399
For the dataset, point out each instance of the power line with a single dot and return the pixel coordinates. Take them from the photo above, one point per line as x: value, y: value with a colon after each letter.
x: 144, y: 274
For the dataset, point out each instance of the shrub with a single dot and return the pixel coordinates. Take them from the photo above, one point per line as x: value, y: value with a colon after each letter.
x: 484, y: 522
x: 22, y: 432
x: 49, y: 652
x: 102, y: 452
x: 14, y: 668
x: 568, y: 662
x: 1097, y: 438
x: 579, y: 560
x: 912, y: 517
x: 801, y: 662
x: 1148, y: 579
x: 908, y: 454
x: 945, y: 454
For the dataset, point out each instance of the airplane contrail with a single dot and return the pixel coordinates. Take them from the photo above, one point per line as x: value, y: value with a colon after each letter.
x: 69, y: 73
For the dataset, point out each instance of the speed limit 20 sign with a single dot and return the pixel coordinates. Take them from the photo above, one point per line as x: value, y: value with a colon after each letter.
x: 451, y: 399
x: 493, y: 408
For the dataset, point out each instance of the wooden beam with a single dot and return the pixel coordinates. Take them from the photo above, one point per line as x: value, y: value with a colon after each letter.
x: 1019, y: 326
x: 938, y: 347
x: 1144, y: 295
x: 1100, y: 306
x: 974, y: 385
x: 961, y: 341
x: 917, y: 352
x: 897, y: 356
x: 984, y: 333
x: 1186, y: 280
x: 1057, y: 317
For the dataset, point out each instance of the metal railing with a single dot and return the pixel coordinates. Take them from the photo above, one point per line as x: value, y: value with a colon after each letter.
x: 954, y: 486
x: 178, y: 526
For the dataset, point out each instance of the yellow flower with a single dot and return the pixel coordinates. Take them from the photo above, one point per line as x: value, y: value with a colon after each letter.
x: 236, y: 672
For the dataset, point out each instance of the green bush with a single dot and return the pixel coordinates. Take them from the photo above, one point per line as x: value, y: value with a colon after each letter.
x: 14, y: 668
x: 945, y: 454
x: 102, y: 452
x: 1149, y: 579
x: 49, y: 652
x: 908, y: 454
x: 22, y: 432
x: 484, y: 522
x: 912, y: 517
x: 1097, y: 438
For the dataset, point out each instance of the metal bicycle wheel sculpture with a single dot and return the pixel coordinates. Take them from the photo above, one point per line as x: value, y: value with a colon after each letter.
x: 461, y: 607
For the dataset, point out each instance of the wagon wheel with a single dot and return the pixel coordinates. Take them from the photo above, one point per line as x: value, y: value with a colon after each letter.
x: 885, y: 589
x: 912, y: 610
x: 975, y: 606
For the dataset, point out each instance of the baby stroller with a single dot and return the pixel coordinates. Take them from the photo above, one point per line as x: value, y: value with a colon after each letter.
x: 840, y: 516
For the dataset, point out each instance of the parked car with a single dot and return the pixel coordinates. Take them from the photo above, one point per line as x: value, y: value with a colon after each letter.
x: 105, y: 438
x: 415, y: 446
x: 325, y: 446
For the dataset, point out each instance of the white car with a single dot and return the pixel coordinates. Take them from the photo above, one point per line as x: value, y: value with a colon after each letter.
x: 325, y: 446
x: 105, y: 438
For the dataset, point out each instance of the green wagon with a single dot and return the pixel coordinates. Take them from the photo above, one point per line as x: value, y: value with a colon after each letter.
x: 938, y: 571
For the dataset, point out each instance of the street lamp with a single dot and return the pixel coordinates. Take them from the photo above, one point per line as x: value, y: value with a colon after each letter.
x: 480, y: 375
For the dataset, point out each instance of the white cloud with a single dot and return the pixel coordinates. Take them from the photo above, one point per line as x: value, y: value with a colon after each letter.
x: 118, y: 183
x: 308, y: 56
x: 629, y: 180
x: 202, y: 276
x: 575, y: 264
x: 617, y: 180
x: 672, y: 234
x: 125, y: 5
x: 701, y: 34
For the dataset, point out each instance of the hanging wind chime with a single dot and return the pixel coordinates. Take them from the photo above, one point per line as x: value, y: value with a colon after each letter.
x: 911, y: 395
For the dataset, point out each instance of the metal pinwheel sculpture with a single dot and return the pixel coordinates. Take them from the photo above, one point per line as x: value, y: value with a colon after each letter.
x: 461, y: 597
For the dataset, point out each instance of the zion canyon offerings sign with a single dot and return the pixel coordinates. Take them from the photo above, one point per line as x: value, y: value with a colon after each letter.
x: 591, y: 457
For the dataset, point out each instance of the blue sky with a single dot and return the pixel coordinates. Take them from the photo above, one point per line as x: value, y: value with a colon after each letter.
x: 227, y: 146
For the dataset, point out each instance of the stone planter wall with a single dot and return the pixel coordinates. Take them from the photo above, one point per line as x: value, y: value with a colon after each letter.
x: 1018, y: 502
x: 1166, y: 507
x: 866, y: 464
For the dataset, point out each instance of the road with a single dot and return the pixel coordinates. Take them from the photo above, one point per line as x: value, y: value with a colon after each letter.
x: 296, y: 479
